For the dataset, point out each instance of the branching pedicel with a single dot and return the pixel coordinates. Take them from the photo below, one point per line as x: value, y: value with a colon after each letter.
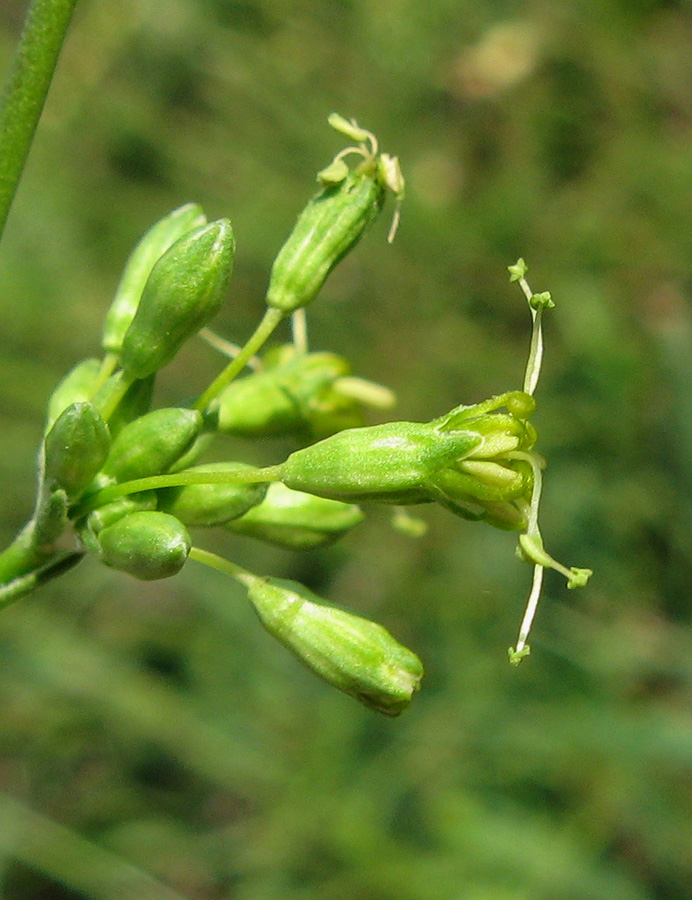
x: 120, y: 480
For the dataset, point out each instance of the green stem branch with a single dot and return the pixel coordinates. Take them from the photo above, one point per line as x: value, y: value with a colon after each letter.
x: 26, y: 88
x: 262, y: 333
x: 177, y: 479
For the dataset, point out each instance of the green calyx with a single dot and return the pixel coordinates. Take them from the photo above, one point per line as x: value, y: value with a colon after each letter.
x: 151, y: 247
x: 182, y: 294
x: 296, y: 520
x: 147, y: 545
x: 305, y: 395
x: 151, y: 444
x: 357, y: 656
x: 329, y: 226
x: 393, y: 463
x: 334, y: 220
x: 76, y: 447
x: 212, y: 504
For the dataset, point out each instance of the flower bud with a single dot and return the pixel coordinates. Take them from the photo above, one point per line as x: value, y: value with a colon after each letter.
x: 76, y: 448
x: 148, y: 251
x: 147, y: 545
x: 212, y: 504
x: 281, y: 399
x: 184, y: 291
x: 355, y: 655
x: 153, y: 443
x: 77, y: 385
x: 393, y: 463
x: 296, y: 520
x: 329, y: 226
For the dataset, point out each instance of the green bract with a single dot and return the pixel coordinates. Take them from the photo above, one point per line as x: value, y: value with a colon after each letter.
x: 148, y: 251
x: 75, y: 448
x: 184, y: 291
x: 355, y: 655
x: 296, y: 520
x: 147, y: 545
x: 326, y: 230
x: 212, y: 504
x: 153, y: 443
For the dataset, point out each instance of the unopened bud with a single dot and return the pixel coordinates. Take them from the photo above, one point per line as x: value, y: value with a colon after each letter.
x: 153, y: 443
x: 146, y: 254
x: 212, y: 504
x: 146, y: 545
x: 184, y: 291
x: 296, y: 520
x: 76, y: 448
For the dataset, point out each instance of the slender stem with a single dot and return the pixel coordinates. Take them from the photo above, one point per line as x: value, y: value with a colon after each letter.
x: 221, y: 565
x: 299, y: 329
x: 535, y: 360
x: 26, y: 88
x: 262, y: 333
x: 29, y: 581
x: 177, y: 479
x: 531, y: 606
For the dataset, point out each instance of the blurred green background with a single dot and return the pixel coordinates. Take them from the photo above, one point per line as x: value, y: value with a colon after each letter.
x: 156, y: 744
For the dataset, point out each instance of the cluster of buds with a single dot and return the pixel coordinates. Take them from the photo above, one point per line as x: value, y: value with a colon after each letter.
x: 125, y: 482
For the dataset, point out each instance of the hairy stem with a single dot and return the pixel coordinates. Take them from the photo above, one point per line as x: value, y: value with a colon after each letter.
x: 26, y: 88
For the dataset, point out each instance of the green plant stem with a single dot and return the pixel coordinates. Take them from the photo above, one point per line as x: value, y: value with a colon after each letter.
x: 270, y: 320
x: 222, y: 565
x: 28, y: 581
x: 177, y: 479
x: 26, y: 88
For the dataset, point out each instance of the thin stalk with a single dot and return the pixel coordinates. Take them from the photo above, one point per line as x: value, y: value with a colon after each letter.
x: 29, y: 581
x: 262, y: 333
x: 177, y: 479
x: 222, y: 565
x: 26, y: 88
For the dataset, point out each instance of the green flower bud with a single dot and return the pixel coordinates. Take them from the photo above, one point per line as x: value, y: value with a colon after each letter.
x: 353, y: 654
x: 184, y: 291
x: 296, y: 520
x: 393, y: 463
x: 147, y: 545
x: 78, y: 385
x: 75, y: 448
x: 212, y: 504
x: 329, y: 226
x: 153, y: 443
x: 281, y: 399
x: 148, y: 251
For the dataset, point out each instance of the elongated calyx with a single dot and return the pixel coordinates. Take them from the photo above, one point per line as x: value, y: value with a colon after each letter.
x: 359, y: 657
x: 182, y: 294
x: 145, y: 255
x: 296, y: 520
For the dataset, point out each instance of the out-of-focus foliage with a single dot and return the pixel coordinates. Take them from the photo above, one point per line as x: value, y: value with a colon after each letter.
x: 155, y: 742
